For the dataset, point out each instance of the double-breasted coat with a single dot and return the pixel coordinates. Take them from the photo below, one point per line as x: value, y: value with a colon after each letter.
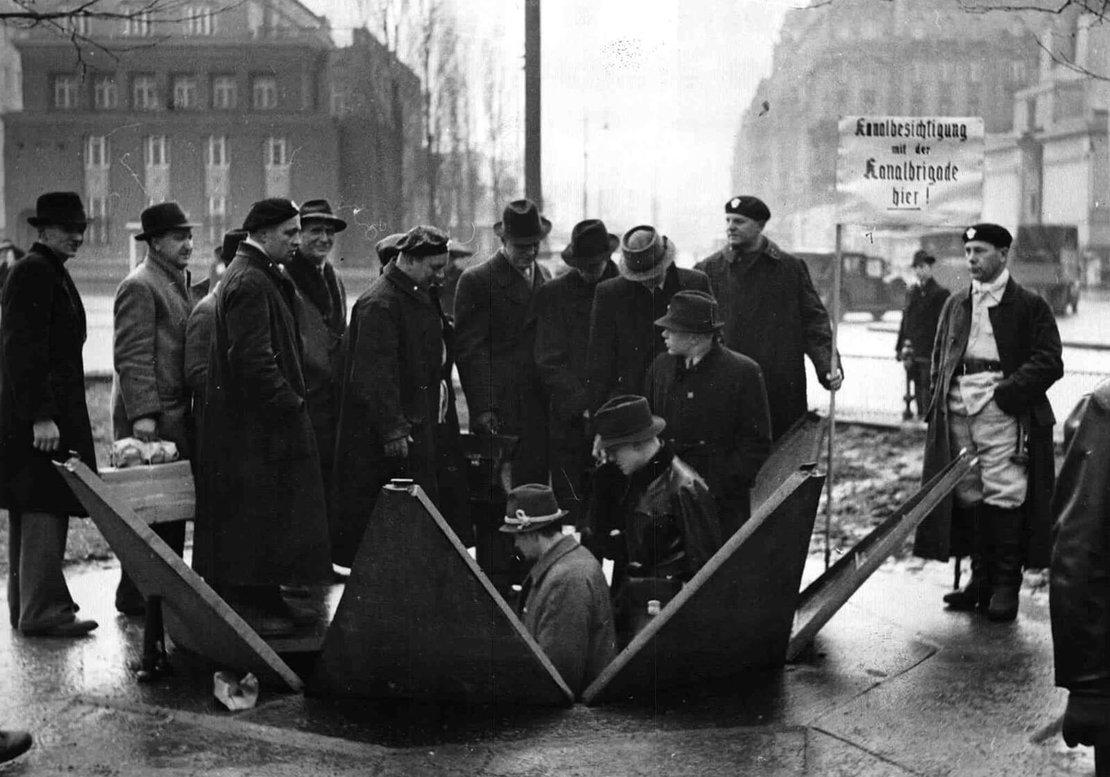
x: 495, y: 335
x: 260, y: 503
x: 718, y: 422
x: 1031, y: 356
x: 391, y: 390
x: 920, y: 316
x: 623, y: 337
x: 152, y: 308
x: 42, y: 376
x: 772, y: 314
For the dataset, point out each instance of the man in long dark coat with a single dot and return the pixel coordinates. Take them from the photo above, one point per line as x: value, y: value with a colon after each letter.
x: 495, y: 330
x: 391, y: 391
x: 261, y: 519
x: 562, y: 334
x: 150, y: 398
x: 714, y: 403
x: 918, y: 329
x: 771, y: 311
x: 43, y: 415
x: 997, y: 352
x: 323, y: 322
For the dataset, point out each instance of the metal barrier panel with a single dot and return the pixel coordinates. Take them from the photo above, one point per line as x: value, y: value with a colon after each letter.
x: 800, y: 446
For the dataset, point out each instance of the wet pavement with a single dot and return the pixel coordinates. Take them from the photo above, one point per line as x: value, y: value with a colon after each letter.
x: 895, y: 685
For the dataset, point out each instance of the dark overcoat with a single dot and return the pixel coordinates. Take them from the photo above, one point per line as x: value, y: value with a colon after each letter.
x: 1029, y: 349
x: 924, y: 301
x: 567, y: 611
x: 718, y: 422
x: 42, y: 376
x: 391, y: 390
x: 495, y: 336
x: 772, y: 314
x: 623, y: 337
x: 260, y: 503
x: 1079, y: 591
x: 151, y: 309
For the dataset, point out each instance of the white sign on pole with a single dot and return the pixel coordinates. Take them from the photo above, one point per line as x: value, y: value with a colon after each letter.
x: 909, y: 170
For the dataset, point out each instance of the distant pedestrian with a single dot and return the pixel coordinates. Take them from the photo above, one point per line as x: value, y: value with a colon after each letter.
x: 150, y: 398
x: 920, y: 316
x: 43, y: 416
x: 9, y: 255
x: 771, y: 311
x: 997, y: 352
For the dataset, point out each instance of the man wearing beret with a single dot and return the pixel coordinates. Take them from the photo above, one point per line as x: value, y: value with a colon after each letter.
x: 714, y: 403
x: 562, y: 333
x: 565, y: 599
x: 771, y: 311
x: 43, y: 415
x: 495, y: 327
x: 150, y: 398
x: 996, y: 353
x: 323, y: 321
x: 924, y: 301
x: 261, y: 520
x: 391, y: 392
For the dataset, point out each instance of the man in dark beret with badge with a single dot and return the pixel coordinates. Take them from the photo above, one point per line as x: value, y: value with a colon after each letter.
x: 391, y: 392
x: 261, y: 520
x: 771, y: 311
x: 562, y: 333
x: 996, y: 353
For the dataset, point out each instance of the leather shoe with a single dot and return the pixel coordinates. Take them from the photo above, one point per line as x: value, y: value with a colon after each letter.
x: 73, y: 628
x: 13, y: 744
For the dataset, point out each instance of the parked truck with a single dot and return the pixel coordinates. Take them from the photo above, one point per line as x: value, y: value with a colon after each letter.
x: 866, y: 282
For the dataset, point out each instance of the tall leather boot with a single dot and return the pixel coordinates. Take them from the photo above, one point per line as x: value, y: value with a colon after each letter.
x: 977, y: 593
x: 1006, y: 529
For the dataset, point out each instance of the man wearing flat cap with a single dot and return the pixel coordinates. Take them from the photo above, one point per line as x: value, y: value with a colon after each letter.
x: 771, y: 311
x: 495, y: 330
x: 391, y: 393
x: 918, y: 329
x: 261, y: 520
x: 714, y: 403
x: 43, y: 416
x: 150, y: 397
x: 562, y: 333
x: 323, y: 321
x: 996, y: 353
x: 564, y: 600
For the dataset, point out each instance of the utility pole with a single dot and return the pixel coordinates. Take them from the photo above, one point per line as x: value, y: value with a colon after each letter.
x: 533, y: 185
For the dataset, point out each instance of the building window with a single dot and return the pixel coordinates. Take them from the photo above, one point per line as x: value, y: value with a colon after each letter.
x: 137, y: 22
x: 96, y: 152
x: 65, y: 92
x: 200, y: 20
x: 105, y: 93
x: 185, y: 93
x: 144, y: 93
x: 264, y: 93
x: 338, y: 101
x: 156, y: 151
x: 975, y: 71
x: 99, y: 232
x: 217, y: 207
x: 217, y: 151
x: 224, y: 93
x: 276, y: 155
x: 1017, y: 71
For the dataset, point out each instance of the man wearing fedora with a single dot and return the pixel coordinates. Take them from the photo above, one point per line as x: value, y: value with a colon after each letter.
x: 714, y: 403
x: 391, y: 393
x: 920, y: 316
x: 261, y: 517
x: 495, y: 325
x: 323, y: 322
x: 43, y: 416
x: 771, y: 311
x: 564, y: 600
x: 150, y: 398
x: 562, y: 333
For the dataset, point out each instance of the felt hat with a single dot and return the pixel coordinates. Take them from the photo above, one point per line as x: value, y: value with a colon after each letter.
x: 529, y: 507
x: 626, y: 419
x: 269, y: 212
x: 691, y: 311
x: 521, y: 222
x: 320, y: 210
x: 748, y: 206
x: 59, y: 208
x: 230, y: 245
x: 997, y: 236
x: 162, y: 218
x: 590, y: 244
x: 922, y: 257
x: 645, y: 254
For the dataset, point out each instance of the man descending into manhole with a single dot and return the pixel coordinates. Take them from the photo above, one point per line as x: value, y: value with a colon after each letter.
x: 997, y: 351
x: 918, y: 329
x: 565, y: 599
x: 670, y: 524
x: 714, y: 403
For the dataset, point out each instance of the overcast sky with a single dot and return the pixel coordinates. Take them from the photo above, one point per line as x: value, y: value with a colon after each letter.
x: 652, y: 90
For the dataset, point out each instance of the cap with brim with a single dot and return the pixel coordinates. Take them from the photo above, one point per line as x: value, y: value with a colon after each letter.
x: 320, y: 210
x: 645, y: 254
x: 626, y: 419
x: 530, y: 507
x: 422, y: 241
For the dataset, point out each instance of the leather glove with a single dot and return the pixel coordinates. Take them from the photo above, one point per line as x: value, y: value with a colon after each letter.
x: 1087, y: 719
